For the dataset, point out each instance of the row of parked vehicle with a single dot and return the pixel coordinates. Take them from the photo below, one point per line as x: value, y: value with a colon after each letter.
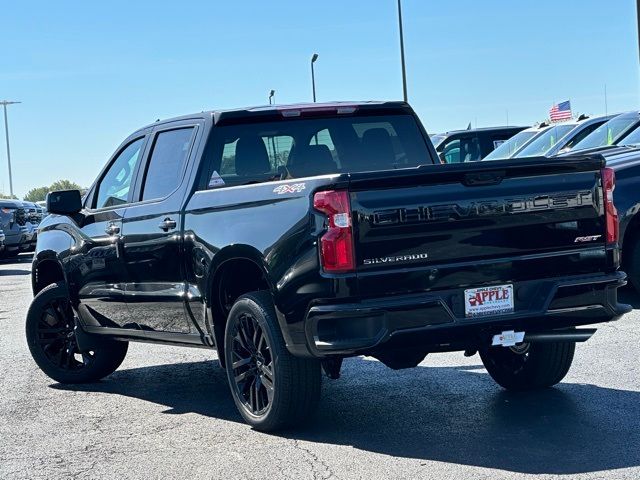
x: 614, y: 137
x: 582, y: 135
x: 18, y: 226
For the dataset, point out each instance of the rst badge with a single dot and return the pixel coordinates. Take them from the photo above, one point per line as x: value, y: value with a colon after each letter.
x: 488, y: 300
x: 588, y: 238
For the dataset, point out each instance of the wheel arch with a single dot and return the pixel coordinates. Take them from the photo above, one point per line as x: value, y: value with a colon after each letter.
x: 236, y: 270
x: 46, y: 270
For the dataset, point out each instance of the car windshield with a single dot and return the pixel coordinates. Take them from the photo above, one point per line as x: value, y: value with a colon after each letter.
x: 545, y: 141
x: 437, y: 139
x: 632, y: 139
x: 509, y: 147
x: 295, y: 148
x: 607, y: 133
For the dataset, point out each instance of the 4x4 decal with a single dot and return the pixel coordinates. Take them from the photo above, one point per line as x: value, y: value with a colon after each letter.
x: 289, y: 188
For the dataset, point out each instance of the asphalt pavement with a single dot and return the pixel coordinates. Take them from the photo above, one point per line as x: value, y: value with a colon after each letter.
x: 167, y: 413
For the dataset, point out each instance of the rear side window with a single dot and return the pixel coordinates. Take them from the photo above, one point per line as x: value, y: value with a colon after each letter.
x: 166, y: 162
x: 296, y: 148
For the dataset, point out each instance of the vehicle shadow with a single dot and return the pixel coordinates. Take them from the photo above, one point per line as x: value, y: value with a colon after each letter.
x: 630, y: 296
x: 7, y: 272
x: 23, y: 258
x: 446, y: 414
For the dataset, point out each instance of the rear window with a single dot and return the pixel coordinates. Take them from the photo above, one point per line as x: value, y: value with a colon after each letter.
x: 257, y: 152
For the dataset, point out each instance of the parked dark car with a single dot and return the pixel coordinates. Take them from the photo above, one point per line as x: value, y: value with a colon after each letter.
x: 33, y: 214
x: 13, y: 223
x: 291, y: 237
x: 471, y: 145
x: 625, y: 161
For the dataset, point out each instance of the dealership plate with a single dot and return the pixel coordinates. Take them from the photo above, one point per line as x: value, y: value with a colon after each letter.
x: 488, y: 300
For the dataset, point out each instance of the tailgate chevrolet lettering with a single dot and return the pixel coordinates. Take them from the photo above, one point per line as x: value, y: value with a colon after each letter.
x: 458, y: 211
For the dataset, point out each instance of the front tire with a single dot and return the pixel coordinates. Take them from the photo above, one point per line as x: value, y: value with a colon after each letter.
x: 52, y: 341
x: 528, y: 366
x: 271, y: 388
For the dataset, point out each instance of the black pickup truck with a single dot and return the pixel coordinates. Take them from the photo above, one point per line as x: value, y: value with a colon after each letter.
x: 291, y: 237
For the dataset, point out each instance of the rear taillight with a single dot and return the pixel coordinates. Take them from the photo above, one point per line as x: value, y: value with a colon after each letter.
x: 336, y: 245
x: 610, y: 212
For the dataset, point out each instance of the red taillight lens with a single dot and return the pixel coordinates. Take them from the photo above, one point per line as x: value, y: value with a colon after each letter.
x: 610, y: 212
x: 336, y: 245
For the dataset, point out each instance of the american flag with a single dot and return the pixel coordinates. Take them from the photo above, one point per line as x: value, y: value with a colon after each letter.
x: 561, y: 111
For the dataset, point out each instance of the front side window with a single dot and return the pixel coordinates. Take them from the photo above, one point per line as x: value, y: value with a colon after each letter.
x: 166, y: 162
x: 451, y: 152
x: 114, y: 187
x: 259, y: 152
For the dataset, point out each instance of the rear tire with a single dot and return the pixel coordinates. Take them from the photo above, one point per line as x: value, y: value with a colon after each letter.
x: 271, y: 388
x: 528, y: 366
x: 52, y: 341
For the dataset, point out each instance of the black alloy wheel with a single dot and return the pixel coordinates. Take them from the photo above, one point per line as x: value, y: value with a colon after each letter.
x: 56, y: 337
x: 51, y: 337
x: 271, y: 388
x: 252, y: 365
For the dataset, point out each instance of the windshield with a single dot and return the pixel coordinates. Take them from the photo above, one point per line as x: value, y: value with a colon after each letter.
x: 607, y: 133
x: 545, y: 141
x: 509, y: 147
x: 296, y: 148
x: 632, y: 139
x: 437, y: 139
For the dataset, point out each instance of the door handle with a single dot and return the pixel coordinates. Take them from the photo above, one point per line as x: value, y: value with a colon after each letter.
x: 167, y: 224
x: 112, y: 229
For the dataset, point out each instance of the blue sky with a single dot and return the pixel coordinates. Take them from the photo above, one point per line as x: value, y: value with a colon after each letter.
x: 89, y: 73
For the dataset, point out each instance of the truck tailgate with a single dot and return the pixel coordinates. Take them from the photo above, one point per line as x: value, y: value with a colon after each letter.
x: 481, y: 223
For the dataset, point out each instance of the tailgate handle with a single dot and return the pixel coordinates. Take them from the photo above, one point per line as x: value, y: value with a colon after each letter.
x: 483, y: 178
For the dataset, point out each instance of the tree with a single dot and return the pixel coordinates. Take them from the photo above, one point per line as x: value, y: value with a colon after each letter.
x: 40, y: 193
x: 64, y: 185
x: 36, y: 194
x: 6, y: 195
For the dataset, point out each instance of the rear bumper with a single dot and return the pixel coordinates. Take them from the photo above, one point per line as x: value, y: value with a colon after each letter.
x: 436, y: 320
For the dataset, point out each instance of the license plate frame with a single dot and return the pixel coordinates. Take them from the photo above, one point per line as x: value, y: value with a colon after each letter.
x: 491, y: 300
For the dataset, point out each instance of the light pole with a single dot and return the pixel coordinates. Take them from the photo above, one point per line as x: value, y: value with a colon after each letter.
x: 4, y: 103
x: 313, y: 77
x: 404, y: 72
x: 271, y: 94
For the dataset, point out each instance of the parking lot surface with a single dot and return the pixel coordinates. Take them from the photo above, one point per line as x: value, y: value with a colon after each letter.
x: 167, y: 413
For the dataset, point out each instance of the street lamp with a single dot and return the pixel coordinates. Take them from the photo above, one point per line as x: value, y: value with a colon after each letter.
x: 4, y: 103
x: 271, y: 94
x: 404, y: 72
x: 313, y: 77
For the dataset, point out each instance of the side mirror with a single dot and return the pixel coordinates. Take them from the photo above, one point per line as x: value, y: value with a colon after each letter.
x: 64, y: 202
